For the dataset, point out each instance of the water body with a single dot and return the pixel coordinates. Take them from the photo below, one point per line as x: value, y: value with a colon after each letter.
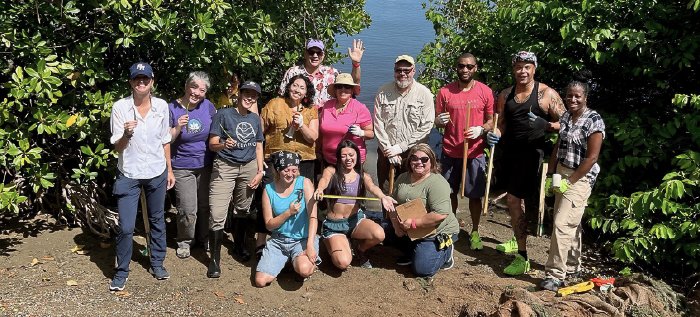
x: 398, y: 27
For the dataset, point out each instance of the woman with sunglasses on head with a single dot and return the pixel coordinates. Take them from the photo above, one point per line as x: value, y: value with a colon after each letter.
x: 345, y: 219
x: 289, y: 212
x: 574, y: 158
x: 344, y: 118
x: 141, y: 136
x: 190, y: 120
x: 423, y: 181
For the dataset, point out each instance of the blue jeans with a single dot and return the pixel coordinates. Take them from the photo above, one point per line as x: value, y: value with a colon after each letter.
x: 427, y: 259
x: 127, y: 191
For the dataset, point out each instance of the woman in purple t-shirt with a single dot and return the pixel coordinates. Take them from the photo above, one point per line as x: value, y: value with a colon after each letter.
x: 344, y: 118
x: 190, y: 118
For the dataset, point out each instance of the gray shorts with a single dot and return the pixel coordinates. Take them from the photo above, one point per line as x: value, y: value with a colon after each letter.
x: 475, y: 187
x: 279, y: 250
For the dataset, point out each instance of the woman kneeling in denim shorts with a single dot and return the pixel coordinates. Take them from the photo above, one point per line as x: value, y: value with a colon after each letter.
x: 290, y: 214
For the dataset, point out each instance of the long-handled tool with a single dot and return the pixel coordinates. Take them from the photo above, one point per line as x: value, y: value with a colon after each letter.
x: 490, y: 170
x: 466, y: 150
x: 349, y: 197
x: 540, y: 217
x: 146, y: 223
x: 392, y: 173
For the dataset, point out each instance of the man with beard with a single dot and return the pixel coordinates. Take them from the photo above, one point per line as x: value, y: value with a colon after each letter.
x: 529, y: 110
x: 322, y: 76
x: 451, y: 106
x: 403, y: 116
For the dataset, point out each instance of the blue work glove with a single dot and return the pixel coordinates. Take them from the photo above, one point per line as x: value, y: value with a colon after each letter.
x: 563, y: 186
x: 492, y: 138
x: 538, y: 122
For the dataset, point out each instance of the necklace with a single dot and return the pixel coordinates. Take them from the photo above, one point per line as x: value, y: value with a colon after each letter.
x: 528, y: 87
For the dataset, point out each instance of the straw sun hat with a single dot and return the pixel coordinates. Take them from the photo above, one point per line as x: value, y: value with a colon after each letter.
x: 344, y: 79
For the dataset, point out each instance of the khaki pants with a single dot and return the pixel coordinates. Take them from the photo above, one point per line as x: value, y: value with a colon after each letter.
x: 565, y: 248
x: 230, y: 180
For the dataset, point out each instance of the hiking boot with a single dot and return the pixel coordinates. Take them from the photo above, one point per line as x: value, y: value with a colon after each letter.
x: 551, y: 284
x: 475, y: 241
x: 519, y: 266
x: 509, y: 246
x: 159, y: 272
x: 118, y: 283
x: 242, y: 254
x: 451, y: 260
x: 361, y: 258
x: 404, y: 260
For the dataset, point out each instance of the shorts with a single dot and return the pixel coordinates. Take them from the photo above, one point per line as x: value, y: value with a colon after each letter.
x: 522, y: 167
x: 279, y: 250
x: 475, y: 187
x: 344, y: 226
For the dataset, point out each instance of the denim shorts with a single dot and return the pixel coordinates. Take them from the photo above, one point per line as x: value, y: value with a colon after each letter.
x: 279, y: 250
x: 344, y: 226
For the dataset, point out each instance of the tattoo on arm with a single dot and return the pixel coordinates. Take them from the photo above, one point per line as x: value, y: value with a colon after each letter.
x: 540, y: 95
x: 556, y: 106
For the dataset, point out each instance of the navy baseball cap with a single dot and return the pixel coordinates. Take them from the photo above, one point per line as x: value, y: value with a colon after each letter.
x: 251, y: 85
x: 140, y: 68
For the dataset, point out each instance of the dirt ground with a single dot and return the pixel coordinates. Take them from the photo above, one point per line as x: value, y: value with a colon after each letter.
x: 43, y: 273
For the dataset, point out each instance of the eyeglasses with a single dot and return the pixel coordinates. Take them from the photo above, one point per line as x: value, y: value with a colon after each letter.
x: 403, y: 70
x: 423, y: 159
x: 342, y: 86
x: 314, y: 52
x: 467, y: 66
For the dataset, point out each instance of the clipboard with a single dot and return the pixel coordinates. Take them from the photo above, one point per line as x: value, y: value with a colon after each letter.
x: 414, y: 209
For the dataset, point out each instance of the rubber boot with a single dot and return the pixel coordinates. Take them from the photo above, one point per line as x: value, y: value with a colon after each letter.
x: 215, y: 238
x: 239, y: 245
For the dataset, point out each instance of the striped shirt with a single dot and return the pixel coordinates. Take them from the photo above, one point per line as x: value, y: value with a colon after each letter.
x: 573, y: 140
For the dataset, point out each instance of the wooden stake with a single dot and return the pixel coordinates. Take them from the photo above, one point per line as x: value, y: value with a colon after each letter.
x: 490, y: 170
x: 392, y: 173
x: 540, y: 218
x: 465, y: 153
x: 146, y: 223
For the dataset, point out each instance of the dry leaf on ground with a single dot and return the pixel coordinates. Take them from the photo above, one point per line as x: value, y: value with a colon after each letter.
x: 72, y: 283
x: 239, y: 299
x: 35, y: 261
x: 219, y: 294
x: 48, y: 258
x: 122, y: 293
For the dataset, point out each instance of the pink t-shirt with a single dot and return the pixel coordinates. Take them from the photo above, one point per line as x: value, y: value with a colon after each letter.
x: 453, y: 100
x: 333, y: 127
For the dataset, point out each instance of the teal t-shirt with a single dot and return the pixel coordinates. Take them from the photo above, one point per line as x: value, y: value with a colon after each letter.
x: 297, y: 226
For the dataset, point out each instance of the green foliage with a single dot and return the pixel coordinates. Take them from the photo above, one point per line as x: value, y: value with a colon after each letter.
x: 643, y: 55
x: 64, y: 63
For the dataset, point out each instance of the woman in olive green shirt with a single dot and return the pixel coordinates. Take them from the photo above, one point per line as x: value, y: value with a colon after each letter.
x: 423, y: 181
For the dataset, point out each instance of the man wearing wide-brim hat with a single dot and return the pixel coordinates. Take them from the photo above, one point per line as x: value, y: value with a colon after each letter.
x: 344, y: 118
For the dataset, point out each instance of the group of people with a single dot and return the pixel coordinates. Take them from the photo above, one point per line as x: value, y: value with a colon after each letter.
x: 309, y: 143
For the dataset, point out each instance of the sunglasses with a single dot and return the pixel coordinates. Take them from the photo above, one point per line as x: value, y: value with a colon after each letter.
x: 467, y: 66
x: 314, y: 52
x: 403, y: 70
x: 342, y: 86
x: 423, y: 159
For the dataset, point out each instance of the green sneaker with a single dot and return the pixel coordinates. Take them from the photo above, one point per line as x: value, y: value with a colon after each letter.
x: 518, y: 266
x: 475, y: 241
x: 509, y: 246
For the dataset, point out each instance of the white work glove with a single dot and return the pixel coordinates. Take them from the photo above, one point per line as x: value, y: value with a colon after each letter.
x: 299, y: 120
x: 395, y: 160
x: 356, y: 130
x: 443, y: 118
x: 393, y: 150
x: 475, y: 132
